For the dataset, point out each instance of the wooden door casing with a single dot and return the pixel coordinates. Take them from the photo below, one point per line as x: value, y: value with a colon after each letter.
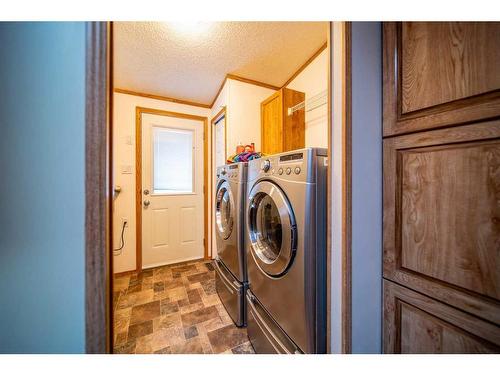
x: 438, y: 74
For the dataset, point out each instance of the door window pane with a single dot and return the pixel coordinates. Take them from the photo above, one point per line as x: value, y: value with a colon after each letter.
x: 173, y: 161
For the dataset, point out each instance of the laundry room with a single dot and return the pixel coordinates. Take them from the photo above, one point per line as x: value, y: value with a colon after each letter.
x: 219, y: 154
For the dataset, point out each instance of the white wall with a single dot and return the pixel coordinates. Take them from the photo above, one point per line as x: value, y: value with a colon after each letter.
x: 42, y: 193
x: 312, y: 81
x: 124, y: 107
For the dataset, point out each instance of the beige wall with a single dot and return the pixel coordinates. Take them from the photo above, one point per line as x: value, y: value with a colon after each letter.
x: 124, y: 155
x: 244, y: 114
x: 314, y: 80
x: 242, y: 102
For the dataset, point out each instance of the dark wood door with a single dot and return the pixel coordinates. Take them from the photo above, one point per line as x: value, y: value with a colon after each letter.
x: 441, y: 185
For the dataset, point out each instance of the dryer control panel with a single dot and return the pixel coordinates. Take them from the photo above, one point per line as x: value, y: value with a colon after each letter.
x: 298, y: 165
x: 233, y: 172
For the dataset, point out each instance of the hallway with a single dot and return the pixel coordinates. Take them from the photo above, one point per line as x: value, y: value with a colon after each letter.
x: 173, y: 309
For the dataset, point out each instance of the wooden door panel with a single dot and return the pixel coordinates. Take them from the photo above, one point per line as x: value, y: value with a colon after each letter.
x: 294, y: 135
x: 438, y: 74
x: 455, y: 187
x: 442, y: 215
x: 271, y: 113
x: 446, y: 61
x: 414, y: 323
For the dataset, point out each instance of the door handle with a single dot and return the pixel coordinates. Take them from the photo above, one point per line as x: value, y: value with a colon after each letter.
x: 146, y: 203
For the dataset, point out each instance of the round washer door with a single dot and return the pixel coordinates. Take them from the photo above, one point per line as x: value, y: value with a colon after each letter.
x: 224, y: 208
x: 272, y: 229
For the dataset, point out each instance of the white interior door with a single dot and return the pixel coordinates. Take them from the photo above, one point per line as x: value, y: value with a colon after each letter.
x: 172, y: 190
x: 219, y: 152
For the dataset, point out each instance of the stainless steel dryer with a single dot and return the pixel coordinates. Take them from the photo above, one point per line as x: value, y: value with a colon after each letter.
x: 230, y: 264
x: 286, y: 252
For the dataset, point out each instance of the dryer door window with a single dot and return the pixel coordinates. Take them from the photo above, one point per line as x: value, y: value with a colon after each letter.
x: 224, y: 208
x: 272, y: 229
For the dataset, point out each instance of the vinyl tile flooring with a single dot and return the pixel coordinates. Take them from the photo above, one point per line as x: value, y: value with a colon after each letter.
x: 173, y: 310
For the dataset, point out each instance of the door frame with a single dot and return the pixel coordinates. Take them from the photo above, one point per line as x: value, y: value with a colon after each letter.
x: 139, y: 111
x: 213, y: 122
x: 98, y: 242
x: 98, y: 188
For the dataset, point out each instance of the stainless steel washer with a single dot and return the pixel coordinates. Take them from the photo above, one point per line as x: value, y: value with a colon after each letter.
x: 286, y: 252
x: 230, y: 264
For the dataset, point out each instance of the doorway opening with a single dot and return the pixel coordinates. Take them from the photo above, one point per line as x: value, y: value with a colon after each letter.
x: 178, y: 115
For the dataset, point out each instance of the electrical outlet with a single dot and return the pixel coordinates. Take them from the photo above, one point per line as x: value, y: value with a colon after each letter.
x: 125, y: 221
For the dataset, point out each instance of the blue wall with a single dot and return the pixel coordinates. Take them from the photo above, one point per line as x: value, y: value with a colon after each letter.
x: 366, y: 184
x: 42, y: 114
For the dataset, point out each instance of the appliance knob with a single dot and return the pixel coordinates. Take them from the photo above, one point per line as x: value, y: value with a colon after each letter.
x: 280, y: 171
x: 266, y: 165
x: 297, y: 170
x: 288, y: 170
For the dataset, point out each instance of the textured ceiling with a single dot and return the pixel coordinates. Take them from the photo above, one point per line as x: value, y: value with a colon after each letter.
x: 189, y: 61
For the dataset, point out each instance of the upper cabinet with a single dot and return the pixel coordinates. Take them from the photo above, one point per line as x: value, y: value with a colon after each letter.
x: 281, y: 131
x: 438, y: 74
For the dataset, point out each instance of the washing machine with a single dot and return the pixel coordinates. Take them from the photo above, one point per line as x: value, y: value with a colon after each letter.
x: 230, y: 263
x: 286, y: 252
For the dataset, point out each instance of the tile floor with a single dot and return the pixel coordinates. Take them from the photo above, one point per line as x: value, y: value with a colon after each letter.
x: 174, y: 309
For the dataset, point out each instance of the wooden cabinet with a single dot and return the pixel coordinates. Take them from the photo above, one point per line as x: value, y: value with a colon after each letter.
x: 438, y: 74
x: 280, y: 131
x: 441, y: 187
x: 414, y: 323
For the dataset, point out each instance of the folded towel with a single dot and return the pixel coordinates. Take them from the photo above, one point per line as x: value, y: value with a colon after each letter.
x: 243, y: 157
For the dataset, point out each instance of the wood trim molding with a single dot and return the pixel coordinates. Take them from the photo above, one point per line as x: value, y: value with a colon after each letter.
x: 339, y: 201
x: 252, y: 81
x: 241, y: 79
x: 160, y: 97
x: 139, y: 111
x: 228, y: 76
x: 347, y: 196
x: 97, y: 197
x: 215, y: 119
x: 306, y: 64
x: 329, y: 206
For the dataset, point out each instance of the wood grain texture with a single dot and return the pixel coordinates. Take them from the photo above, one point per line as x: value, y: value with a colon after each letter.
x: 414, y: 323
x: 347, y: 192
x: 446, y: 61
x: 294, y: 126
x: 329, y: 202
x: 456, y: 187
x: 138, y: 174
x: 441, y: 209
x: 439, y: 74
x: 271, y: 115
x: 279, y: 131
x: 97, y: 197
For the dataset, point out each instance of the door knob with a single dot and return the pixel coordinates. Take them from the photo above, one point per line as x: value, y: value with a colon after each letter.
x: 146, y: 203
